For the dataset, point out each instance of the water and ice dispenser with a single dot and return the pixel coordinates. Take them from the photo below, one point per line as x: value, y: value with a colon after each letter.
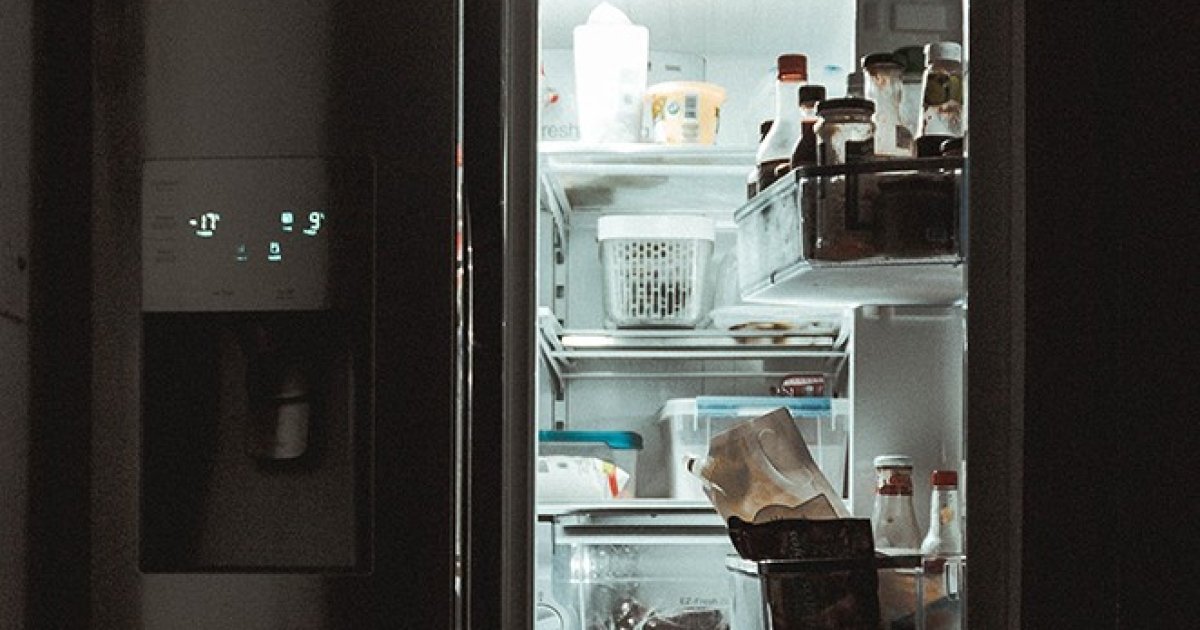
x: 256, y: 359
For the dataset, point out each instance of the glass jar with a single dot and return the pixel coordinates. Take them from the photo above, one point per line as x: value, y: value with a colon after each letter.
x: 845, y: 134
x: 893, y: 519
x: 845, y: 131
x: 943, y: 90
x: 913, y: 60
x: 883, y: 81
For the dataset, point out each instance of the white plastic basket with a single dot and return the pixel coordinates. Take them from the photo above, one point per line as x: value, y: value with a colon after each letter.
x: 656, y: 269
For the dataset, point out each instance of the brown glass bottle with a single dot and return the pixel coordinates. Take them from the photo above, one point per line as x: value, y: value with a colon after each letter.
x: 805, y: 153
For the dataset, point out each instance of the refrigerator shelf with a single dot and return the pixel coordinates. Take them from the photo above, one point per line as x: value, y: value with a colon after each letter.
x: 643, y: 177
x: 572, y: 355
x: 667, y: 511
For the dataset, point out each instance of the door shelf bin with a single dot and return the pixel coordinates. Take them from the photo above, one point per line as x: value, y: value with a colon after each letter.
x: 886, y: 232
x: 776, y: 594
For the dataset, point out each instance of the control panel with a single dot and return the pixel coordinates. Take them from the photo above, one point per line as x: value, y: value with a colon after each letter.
x: 237, y: 234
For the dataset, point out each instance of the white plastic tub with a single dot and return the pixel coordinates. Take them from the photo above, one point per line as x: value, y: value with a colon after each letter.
x: 656, y: 269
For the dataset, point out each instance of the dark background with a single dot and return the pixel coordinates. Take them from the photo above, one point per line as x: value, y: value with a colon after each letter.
x: 1110, y: 378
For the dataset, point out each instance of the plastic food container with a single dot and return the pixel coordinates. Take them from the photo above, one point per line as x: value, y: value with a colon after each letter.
x: 685, y: 112
x: 587, y: 465
x: 656, y: 269
x: 689, y: 423
x: 610, y: 75
x: 666, y: 570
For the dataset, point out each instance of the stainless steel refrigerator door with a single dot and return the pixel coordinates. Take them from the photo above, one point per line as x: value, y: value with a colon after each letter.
x: 235, y: 82
x: 499, y: 70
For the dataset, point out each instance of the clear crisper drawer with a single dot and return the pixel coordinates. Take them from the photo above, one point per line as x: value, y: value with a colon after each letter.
x: 880, y: 232
x: 627, y: 575
x: 689, y: 424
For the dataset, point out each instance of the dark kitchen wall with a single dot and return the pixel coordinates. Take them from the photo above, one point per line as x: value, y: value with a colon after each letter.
x: 16, y: 68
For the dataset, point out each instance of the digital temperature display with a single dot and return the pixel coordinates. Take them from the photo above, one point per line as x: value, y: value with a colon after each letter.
x: 235, y: 235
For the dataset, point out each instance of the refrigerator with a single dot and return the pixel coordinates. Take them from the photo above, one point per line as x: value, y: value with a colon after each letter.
x: 291, y: 360
x: 652, y: 271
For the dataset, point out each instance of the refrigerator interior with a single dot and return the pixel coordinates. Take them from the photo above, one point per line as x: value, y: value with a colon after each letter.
x: 895, y: 372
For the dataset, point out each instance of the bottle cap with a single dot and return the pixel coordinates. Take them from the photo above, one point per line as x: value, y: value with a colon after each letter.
x: 944, y: 478
x: 812, y: 93
x: 912, y: 57
x: 854, y: 84
x: 880, y: 58
x: 793, y: 66
x: 893, y: 461
x: 846, y: 103
x: 943, y: 51
x: 931, y: 145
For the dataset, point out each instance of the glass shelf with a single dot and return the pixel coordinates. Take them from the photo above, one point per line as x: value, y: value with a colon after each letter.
x: 644, y: 177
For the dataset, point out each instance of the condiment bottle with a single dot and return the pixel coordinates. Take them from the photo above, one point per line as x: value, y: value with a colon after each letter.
x: 944, y: 537
x: 942, y: 550
x: 913, y: 60
x: 776, y: 147
x: 893, y: 519
x: 942, y: 90
x: 752, y: 178
x: 883, y: 86
x: 805, y: 152
x: 854, y: 85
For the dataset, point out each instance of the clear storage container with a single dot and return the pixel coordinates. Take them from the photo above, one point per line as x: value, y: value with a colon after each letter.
x: 614, y: 570
x: 656, y: 269
x: 587, y: 465
x: 908, y: 210
x: 786, y: 594
x: 689, y: 423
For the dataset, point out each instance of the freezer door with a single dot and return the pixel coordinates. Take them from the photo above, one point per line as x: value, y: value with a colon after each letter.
x: 274, y: 366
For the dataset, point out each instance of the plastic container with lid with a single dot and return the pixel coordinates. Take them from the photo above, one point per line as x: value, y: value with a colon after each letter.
x: 587, y: 465
x: 656, y: 269
x: 611, y: 55
x: 689, y: 423
x: 685, y: 112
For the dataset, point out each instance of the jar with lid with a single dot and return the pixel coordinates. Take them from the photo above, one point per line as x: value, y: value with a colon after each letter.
x: 893, y: 519
x: 883, y: 86
x: 845, y: 135
x: 942, y: 90
x: 913, y: 60
x: 845, y: 130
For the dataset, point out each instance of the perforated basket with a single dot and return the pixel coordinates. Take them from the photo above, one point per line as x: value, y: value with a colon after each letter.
x: 656, y: 269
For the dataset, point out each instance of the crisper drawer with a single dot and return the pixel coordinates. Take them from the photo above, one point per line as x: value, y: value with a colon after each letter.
x: 615, y: 571
x: 878, y: 232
